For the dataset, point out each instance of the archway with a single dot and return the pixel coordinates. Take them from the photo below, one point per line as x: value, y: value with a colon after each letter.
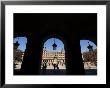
x: 19, y: 51
x: 53, y: 57
x: 89, y: 56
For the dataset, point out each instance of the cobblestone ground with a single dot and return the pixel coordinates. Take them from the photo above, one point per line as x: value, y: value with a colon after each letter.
x: 62, y: 72
x: 91, y: 71
x: 53, y: 72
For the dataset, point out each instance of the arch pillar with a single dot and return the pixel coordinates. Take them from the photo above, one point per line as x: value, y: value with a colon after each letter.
x: 31, y: 61
x: 74, y: 61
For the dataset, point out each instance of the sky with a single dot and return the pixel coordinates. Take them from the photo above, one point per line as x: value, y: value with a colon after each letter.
x: 48, y: 44
x: 22, y: 41
x: 84, y: 44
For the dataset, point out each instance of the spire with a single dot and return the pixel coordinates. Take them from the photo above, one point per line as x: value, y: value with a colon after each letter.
x: 44, y: 49
x: 62, y: 50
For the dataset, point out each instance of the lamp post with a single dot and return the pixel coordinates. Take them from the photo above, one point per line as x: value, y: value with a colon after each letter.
x: 90, y: 47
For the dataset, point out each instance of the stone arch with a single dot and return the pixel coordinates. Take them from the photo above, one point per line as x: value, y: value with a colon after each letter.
x: 60, y: 37
x: 57, y: 36
x: 89, y: 56
x: 19, y: 52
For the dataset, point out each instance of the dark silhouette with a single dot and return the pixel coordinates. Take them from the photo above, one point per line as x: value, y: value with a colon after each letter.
x: 55, y: 66
x: 90, y: 47
x: 44, y: 67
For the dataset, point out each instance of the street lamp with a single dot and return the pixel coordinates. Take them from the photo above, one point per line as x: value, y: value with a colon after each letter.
x: 54, y: 45
x: 90, y: 47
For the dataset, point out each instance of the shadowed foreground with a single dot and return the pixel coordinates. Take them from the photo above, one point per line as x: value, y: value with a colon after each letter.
x: 60, y: 72
x: 53, y: 72
x: 63, y: 72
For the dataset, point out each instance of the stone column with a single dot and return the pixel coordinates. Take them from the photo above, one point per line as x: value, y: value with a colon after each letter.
x: 31, y: 62
x: 74, y: 62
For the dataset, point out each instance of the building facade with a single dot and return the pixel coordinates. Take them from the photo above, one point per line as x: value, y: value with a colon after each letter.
x: 52, y: 57
x: 90, y: 59
x: 18, y: 57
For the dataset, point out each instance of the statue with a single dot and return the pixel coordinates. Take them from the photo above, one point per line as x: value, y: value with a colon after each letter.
x: 55, y: 63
